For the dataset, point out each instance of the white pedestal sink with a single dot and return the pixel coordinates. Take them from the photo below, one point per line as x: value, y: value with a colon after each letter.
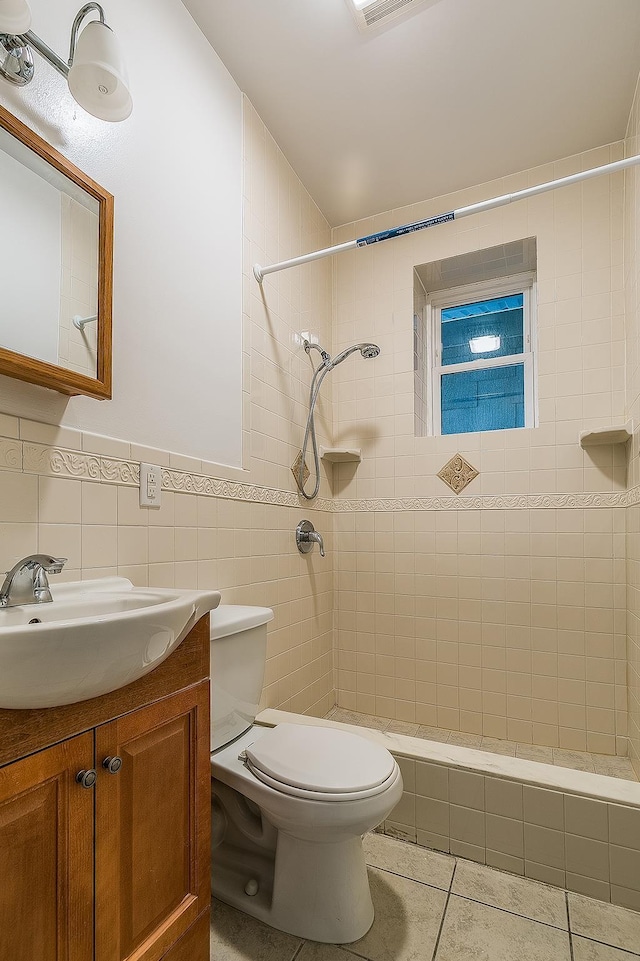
x: 94, y: 637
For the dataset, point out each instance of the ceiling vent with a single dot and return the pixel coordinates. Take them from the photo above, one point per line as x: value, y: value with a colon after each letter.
x: 379, y: 13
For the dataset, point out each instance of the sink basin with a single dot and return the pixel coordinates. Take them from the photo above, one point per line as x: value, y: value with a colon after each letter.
x: 93, y: 638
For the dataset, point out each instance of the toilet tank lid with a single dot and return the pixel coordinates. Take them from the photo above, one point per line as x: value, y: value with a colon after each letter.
x: 232, y: 618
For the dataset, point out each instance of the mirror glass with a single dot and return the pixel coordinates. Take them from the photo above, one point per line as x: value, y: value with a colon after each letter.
x: 55, y: 267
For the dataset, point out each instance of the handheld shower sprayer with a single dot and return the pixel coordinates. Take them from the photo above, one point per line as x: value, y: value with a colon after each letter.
x: 327, y: 363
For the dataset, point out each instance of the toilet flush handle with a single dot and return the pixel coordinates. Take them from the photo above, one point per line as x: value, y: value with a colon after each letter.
x: 307, y: 536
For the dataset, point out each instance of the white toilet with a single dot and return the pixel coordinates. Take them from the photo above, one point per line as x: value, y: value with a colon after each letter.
x: 290, y: 804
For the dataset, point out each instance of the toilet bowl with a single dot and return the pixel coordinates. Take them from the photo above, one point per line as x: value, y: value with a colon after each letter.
x: 290, y: 804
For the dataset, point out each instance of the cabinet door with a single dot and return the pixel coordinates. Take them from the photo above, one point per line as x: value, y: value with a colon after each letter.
x: 152, y: 827
x: 46, y: 855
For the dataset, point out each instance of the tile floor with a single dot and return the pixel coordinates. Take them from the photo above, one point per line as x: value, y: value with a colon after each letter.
x: 577, y: 760
x: 432, y: 907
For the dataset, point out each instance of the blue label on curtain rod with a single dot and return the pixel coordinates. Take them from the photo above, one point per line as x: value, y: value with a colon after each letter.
x: 407, y: 229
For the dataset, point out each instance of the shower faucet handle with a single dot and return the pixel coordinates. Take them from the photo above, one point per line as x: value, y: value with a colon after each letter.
x: 307, y: 536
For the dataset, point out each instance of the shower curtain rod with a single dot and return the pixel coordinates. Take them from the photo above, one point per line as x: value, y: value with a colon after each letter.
x: 260, y: 272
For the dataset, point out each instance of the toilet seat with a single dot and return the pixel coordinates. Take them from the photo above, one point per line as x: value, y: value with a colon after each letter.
x: 320, y: 763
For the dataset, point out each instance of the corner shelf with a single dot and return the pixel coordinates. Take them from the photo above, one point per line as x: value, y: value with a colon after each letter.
x: 341, y: 455
x: 616, y: 434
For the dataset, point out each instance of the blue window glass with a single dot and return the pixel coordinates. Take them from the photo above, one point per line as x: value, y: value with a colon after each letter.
x: 486, y: 329
x: 487, y: 399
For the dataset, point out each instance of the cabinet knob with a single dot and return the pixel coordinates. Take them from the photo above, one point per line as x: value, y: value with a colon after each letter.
x: 112, y: 764
x: 86, y: 778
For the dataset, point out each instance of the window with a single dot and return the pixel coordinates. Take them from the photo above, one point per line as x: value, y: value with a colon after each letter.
x: 481, y: 357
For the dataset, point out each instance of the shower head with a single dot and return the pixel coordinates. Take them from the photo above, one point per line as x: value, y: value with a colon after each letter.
x: 368, y: 351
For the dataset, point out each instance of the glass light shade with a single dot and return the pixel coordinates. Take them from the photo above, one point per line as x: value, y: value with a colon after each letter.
x: 15, y: 16
x: 98, y: 78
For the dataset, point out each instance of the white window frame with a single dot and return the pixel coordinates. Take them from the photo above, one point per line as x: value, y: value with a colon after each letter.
x: 470, y: 293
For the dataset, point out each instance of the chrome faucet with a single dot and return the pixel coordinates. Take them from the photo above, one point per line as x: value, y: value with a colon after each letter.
x: 27, y: 582
x: 307, y: 536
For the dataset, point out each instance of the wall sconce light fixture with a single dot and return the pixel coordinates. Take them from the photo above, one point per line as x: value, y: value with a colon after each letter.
x: 95, y: 71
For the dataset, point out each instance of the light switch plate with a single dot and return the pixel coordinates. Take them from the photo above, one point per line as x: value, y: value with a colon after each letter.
x: 150, y: 485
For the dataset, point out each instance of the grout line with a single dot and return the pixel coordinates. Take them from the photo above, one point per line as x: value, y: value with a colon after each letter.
x: 349, y: 950
x: 605, y: 944
x: 514, y: 914
x: 297, y: 951
x: 396, y: 874
x: 566, y: 902
x: 444, y: 914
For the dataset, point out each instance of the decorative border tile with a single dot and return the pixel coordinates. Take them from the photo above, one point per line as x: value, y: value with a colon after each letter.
x: 183, y: 482
x: 10, y: 454
x: 61, y: 462
x: 39, y: 459
x: 496, y: 502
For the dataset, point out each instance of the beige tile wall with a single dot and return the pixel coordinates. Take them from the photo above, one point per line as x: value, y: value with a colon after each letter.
x: 420, y: 379
x: 502, y: 623
x: 505, y: 622
x: 632, y: 327
x: 580, y: 339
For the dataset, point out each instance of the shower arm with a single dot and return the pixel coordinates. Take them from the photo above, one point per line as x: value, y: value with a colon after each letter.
x: 309, y: 346
x: 260, y: 272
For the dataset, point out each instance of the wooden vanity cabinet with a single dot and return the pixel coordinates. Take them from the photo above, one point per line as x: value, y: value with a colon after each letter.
x: 117, y: 871
x: 46, y: 856
x: 148, y: 817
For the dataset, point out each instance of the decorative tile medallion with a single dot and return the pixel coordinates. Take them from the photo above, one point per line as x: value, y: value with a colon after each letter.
x: 457, y: 473
x: 295, y: 470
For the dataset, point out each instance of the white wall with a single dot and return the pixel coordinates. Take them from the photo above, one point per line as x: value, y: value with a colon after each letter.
x: 30, y: 286
x: 175, y: 170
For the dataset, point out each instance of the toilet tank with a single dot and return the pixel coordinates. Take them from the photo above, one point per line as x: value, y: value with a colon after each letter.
x: 238, y: 655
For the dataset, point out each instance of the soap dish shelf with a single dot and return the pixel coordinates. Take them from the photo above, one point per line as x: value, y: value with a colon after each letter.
x: 616, y: 434
x: 341, y: 455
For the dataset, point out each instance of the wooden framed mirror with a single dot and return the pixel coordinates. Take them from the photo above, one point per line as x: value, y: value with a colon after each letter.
x: 56, y: 267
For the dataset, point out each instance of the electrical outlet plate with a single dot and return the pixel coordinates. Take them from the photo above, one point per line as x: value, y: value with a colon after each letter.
x: 150, y: 485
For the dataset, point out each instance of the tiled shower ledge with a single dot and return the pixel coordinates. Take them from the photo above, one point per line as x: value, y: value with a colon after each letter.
x: 605, y: 764
x: 535, y: 773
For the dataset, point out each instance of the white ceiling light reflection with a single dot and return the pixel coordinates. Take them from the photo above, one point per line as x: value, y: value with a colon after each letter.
x: 484, y: 345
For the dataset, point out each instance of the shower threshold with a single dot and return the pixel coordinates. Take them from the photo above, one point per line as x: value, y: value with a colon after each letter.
x: 606, y: 764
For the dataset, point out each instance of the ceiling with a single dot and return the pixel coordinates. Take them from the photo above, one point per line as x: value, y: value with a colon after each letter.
x: 458, y: 93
